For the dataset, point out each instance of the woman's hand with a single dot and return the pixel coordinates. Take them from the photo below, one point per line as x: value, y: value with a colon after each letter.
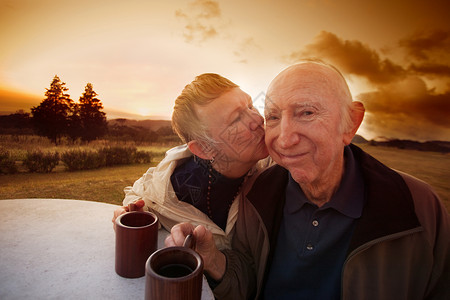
x: 135, y: 206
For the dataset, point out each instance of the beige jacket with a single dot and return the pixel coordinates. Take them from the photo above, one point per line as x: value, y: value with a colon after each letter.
x: 155, y: 188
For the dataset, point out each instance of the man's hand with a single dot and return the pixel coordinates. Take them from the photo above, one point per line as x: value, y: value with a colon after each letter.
x: 135, y: 206
x: 214, y: 261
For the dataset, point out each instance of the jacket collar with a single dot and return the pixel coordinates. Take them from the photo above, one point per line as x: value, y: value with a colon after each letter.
x: 268, y: 196
x: 389, y: 207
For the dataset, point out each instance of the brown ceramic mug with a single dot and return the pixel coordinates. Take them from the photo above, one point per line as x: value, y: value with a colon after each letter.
x: 136, y: 240
x: 174, y: 273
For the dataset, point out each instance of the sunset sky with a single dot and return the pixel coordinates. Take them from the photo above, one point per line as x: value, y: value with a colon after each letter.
x: 140, y: 54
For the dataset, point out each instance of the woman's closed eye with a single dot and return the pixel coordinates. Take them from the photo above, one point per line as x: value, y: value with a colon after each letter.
x: 271, y: 117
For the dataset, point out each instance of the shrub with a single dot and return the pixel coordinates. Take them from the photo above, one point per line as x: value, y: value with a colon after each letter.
x: 82, y: 160
x: 7, y: 164
x: 107, y: 156
x: 37, y: 161
x: 142, y: 157
x: 117, y: 155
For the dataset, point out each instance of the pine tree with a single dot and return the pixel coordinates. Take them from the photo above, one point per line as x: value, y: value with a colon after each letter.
x: 92, y: 119
x: 51, y: 117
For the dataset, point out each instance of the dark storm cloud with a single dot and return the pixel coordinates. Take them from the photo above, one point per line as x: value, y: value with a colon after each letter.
x: 403, y: 104
x: 424, y: 106
x: 430, y: 69
x: 351, y: 57
x: 425, y: 45
x: 430, y: 52
x: 199, y: 19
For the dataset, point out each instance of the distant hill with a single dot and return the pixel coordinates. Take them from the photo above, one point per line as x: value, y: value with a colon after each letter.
x: 153, y: 125
x: 357, y: 139
x: 433, y: 146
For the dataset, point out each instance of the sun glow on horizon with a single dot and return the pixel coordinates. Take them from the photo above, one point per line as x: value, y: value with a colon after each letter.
x: 139, y: 56
x: 143, y: 111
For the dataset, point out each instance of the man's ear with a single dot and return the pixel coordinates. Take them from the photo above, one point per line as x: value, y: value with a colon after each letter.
x: 200, y: 150
x: 357, y: 116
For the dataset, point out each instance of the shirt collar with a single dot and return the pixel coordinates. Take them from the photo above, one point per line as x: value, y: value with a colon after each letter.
x: 348, y: 199
x: 293, y: 191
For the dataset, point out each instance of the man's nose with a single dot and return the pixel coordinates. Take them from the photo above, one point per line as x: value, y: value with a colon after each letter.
x: 288, y: 136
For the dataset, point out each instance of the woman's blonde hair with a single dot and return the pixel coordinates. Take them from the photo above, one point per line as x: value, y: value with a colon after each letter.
x: 204, y: 89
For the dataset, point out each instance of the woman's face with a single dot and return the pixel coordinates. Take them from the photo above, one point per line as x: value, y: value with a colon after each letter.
x: 237, y: 127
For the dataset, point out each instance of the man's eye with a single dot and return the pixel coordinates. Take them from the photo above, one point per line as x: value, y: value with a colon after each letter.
x: 305, y: 114
x: 271, y: 118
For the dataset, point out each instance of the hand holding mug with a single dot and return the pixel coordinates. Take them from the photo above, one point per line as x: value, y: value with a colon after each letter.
x: 214, y: 260
x: 135, y: 206
x: 174, y: 273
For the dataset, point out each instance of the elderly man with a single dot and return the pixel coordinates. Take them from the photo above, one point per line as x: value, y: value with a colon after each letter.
x: 329, y: 221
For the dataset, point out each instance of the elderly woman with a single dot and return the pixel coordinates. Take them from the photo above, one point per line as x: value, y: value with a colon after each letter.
x: 200, y: 181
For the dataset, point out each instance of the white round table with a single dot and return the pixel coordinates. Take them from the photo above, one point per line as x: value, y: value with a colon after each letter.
x: 63, y: 249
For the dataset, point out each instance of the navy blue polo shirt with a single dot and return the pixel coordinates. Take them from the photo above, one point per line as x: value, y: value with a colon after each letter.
x: 312, y: 242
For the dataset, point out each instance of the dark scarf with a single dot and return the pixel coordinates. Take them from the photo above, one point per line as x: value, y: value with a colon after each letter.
x: 190, y: 182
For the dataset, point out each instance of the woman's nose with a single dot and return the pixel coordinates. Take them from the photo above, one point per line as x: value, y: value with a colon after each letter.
x: 256, y: 121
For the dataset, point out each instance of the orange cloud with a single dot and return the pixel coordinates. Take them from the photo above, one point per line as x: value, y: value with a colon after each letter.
x: 12, y: 101
x: 245, y: 47
x: 425, y: 45
x: 407, y: 110
x: 199, y: 18
x: 203, y: 21
x: 403, y: 103
x: 351, y: 57
x: 430, y: 69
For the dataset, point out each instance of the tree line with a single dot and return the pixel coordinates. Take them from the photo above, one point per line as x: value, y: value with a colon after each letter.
x: 58, y: 116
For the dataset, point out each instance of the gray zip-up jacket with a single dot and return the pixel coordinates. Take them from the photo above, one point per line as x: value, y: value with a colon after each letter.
x: 400, y: 248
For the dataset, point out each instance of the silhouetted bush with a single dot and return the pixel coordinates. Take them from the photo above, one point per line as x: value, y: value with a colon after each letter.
x: 107, y: 156
x: 7, y: 164
x: 117, y: 155
x: 142, y: 157
x: 75, y: 160
x: 82, y: 160
x: 37, y: 161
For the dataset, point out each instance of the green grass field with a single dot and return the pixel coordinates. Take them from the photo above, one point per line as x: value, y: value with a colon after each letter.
x: 106, y: 185
x: 103, y: 185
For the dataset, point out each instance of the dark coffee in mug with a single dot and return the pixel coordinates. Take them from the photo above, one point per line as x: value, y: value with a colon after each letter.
x: 174, y: 273
x: 174, y: 270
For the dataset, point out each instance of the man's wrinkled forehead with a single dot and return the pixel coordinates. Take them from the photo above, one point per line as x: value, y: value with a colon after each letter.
x: 273, y: 107
x: 297, y: 95
x: 307, y: 83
